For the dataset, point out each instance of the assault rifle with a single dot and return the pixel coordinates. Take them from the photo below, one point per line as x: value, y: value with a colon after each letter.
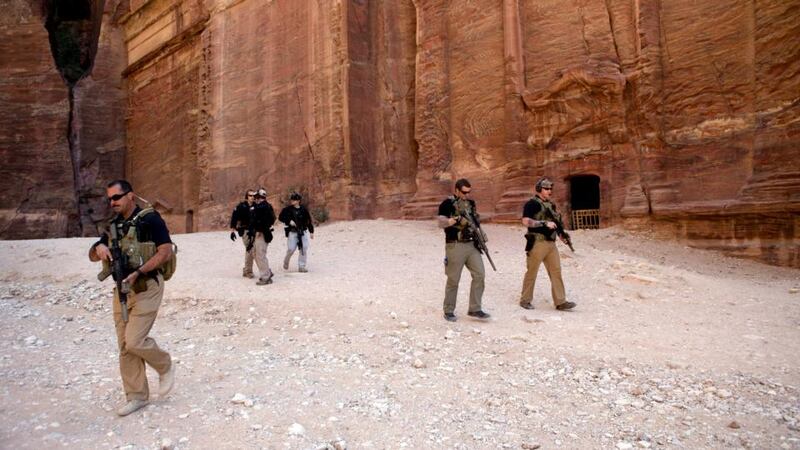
x: 300, y: 232
x: 118, y: 269
x: 251, y: 233
x: 477, y: 235
x: 564, y: 235
x: 560, y: 230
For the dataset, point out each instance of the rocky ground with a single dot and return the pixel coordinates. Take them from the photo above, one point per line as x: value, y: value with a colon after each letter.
x: 669, y: 347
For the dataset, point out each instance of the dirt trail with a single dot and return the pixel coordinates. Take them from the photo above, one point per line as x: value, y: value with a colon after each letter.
x: 669, y: 346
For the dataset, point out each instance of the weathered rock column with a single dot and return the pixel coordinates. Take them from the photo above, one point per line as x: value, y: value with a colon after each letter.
x: 520, y: 162
x: 432, y: 118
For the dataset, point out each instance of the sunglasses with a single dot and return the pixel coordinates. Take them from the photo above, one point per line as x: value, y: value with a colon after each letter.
x: 547, y: 189
x: 251, y: 195
x: 117, y: 197
x: 466, y: 192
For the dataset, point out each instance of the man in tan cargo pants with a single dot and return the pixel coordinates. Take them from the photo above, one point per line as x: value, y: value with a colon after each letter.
x: 538, y: 215
x: 144, y: 237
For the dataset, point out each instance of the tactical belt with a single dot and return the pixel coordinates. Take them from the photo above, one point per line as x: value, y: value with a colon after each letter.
x: 547, y: 236
x: 453, y: 241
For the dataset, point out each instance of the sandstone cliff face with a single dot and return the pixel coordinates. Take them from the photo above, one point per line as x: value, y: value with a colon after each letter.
x: 688, y: 123
x: 684, y: 115
x: 227, y: 96
x: 98, y: 122
x: 35, y: 175
x: 62, y: 132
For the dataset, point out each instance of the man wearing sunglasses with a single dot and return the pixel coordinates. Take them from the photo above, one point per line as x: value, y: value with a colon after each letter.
x: 460, y: 251
x: 240, y: 222
x: 538, y: 215
x: 144, y: 237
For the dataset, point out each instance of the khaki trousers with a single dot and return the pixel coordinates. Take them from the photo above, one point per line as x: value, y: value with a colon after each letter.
x: 260, y: 256
x: 248, y: 255
x: 460, y: 254
x: 547, y: 252
x: 135, y: 347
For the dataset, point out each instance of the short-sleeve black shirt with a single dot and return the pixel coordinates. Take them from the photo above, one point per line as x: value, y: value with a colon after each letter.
x: 151, y: 228
x: 240, y: 218
x: 448, y: 209
x: 532, y: 207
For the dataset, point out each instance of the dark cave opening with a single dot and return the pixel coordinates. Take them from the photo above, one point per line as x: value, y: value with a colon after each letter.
x: 74, y: 28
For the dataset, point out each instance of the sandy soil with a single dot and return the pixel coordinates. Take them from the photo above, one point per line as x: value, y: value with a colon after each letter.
x: 669, y: 347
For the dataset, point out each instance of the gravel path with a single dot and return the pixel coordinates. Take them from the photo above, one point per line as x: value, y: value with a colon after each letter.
x: 669, y: 347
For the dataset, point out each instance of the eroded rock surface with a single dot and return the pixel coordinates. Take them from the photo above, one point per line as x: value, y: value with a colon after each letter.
x: 374, y: 108
x: 685, y: 115
x: 62, y: 130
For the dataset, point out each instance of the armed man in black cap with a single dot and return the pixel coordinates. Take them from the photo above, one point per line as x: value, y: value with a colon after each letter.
x: 542, y: 220
x: 299, y: 228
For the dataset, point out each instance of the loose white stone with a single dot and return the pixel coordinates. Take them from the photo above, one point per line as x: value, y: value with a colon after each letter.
x: 239, y: 399
x: 296, y: 430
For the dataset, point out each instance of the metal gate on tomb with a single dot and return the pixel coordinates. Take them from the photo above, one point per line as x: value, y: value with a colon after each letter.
x: 585, y: 202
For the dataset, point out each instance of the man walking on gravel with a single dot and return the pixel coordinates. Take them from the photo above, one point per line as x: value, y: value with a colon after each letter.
x: 299, y: 227
x: 240, y: 223
x: 145, y: 245
x: 460, y: 250
x: 540, y: 216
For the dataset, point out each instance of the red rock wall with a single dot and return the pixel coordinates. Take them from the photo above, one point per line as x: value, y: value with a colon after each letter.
x: 690, y: 124
x: 380, y: 105
x: 284, y: 95
x: 687, y: 112
x: 163, y: 112
x: 226, y: 98
x: 38, y: 195
x: 57, y: 155
x: 98, y: 122
x: 374, y: 108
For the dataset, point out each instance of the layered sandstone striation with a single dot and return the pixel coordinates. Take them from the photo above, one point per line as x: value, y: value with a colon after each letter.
x: 36, y: 173
x: 678, y: 116
x: 62, y: 133
x: 313, y: 96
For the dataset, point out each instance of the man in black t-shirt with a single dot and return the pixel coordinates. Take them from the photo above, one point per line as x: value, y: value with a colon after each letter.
x: 299, y: 229
x: 539, y: 215
x: 240, y: 223
x: 144, y: 237
x: 460, y: 251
